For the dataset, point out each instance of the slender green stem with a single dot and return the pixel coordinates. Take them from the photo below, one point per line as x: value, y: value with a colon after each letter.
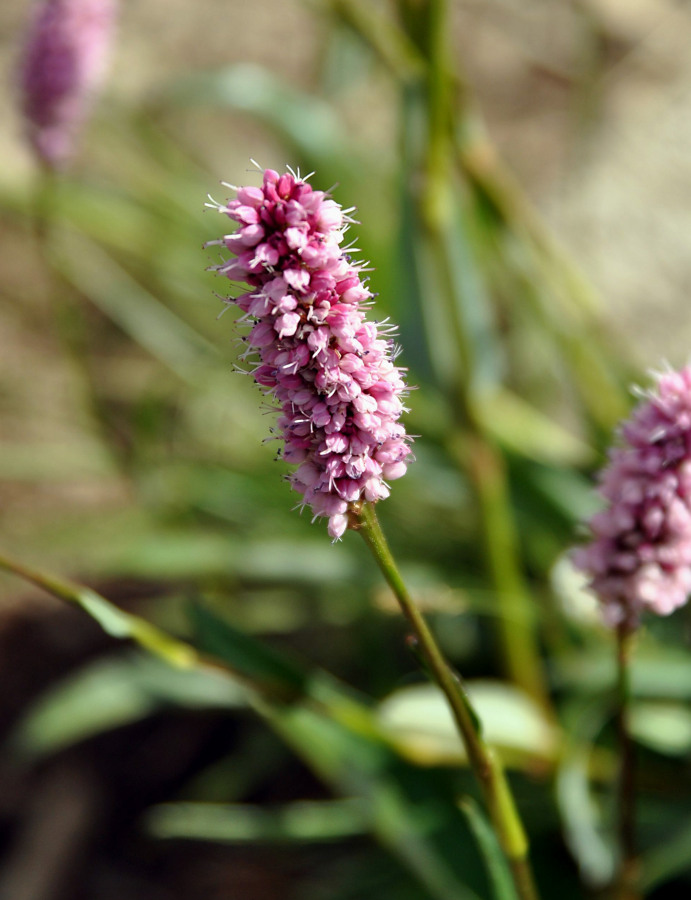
x: 68, y: 309
x: 626, y: 878
x: 484, y: 763
x: 516, y: 621
x: 390, y: 43
x: 465, y: 314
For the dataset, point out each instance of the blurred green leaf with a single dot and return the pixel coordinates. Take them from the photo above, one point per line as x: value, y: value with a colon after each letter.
x: 99, y: 698
x: 249, y: 658
x: 418, y: 720
x: 115, y: 692
x: 521, y: 427
x: 657, y: 670
x: 411, y: 810
x: 324, y: 820
x: 498, y: 869
x: 309, y: 124
x: 443, y: 291
x: 382, y: 35
x: 663, y: 726
x: 669, y: 859
x: 141, y: 315
x: 585, y: 832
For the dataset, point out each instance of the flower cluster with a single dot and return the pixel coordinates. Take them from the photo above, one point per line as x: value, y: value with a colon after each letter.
x: 640, y: 555
x: 331, y: 371
x: 64, y: 61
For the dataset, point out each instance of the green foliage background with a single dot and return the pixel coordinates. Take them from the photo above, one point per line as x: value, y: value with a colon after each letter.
x: 152, y: 481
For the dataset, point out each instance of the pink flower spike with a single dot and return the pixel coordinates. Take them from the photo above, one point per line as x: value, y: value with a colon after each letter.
x: 329, y: 370
x: 64, y: 63
x: 639, y: 557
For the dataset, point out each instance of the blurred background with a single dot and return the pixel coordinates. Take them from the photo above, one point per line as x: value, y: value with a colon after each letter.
x: 551, y: 242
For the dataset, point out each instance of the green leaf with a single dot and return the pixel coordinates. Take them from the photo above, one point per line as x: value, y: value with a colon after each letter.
x: 113, y: 621
x: 418, y: 720
x: 657, y: 670
x: 313, y: 821
x: 114, y: 692
x: 667, y: 860
x: 521, y: 427
x: 584, y: 830
x: 663, y: 726
x: 498, y: 869
x: 97, y: 699
x: 272, y: 673
x: 141, y: 315
x: 412, y: 810
x: 311, y: 125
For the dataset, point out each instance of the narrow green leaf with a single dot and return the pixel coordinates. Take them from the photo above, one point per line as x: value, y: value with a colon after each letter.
x: 667, y: 860
x: 317, y: 821
x: 97, y: 699
x: 311, y: 125
x: 411, y: 810
x: 498, y: 869
x: 521, y: 427
x: 584, y: 830
x: 114, y: 692
x: 381, y: 34
x: 141, y: 315
x: 113, y: 621
x: 271, y: 672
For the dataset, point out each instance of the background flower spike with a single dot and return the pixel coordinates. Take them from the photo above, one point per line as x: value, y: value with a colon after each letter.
x: 640, y: 554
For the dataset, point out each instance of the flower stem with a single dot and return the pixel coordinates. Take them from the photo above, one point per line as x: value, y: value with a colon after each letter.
x: 485, y: 765
x: 625, y: 886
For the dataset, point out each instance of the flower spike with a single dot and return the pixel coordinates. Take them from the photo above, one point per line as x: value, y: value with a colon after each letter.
x: 64, y: 63
x: 640, y: 555
x: 330, y: 371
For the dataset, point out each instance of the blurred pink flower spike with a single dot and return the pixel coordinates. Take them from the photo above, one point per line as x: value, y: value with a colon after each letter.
x: 330, y: 371
x: 640, y: 555
x: 64, y: 63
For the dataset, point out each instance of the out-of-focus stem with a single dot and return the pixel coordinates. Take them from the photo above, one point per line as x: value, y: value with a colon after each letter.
x: 67, y: 310
x: 487, y: 768
x: 69, y: 324
x: 626, y: 878
x: 517, y: 613
x: 480, y: 166
x: 390, y: 43
x: 474, y: 449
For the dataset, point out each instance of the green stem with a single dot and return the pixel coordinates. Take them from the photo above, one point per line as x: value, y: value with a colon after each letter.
x: 516, y: 620
x: 466, y: 314
x: 485, y: 765
x: 67, y: 308
x: 625, y: 887
x: 390, y: 43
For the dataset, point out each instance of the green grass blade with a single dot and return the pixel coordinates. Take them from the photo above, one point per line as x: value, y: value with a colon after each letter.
x: 497, y: 868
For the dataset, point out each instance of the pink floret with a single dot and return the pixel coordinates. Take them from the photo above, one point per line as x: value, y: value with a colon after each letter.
x: 330, y: 371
